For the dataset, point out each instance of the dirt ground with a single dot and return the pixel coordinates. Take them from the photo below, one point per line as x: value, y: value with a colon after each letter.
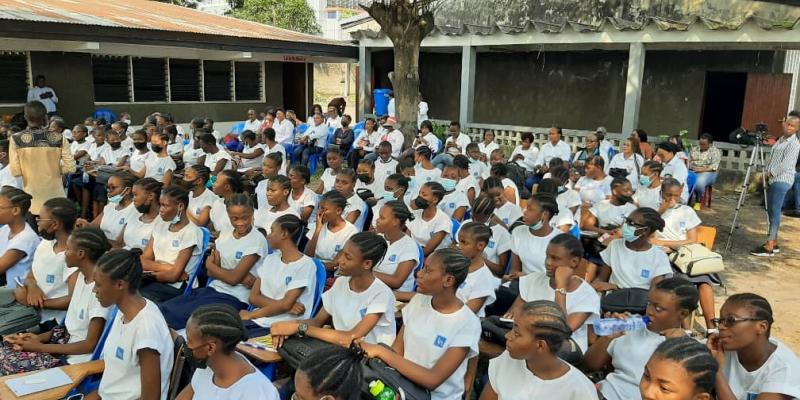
x: 774, y: 278
x: 329, y: 80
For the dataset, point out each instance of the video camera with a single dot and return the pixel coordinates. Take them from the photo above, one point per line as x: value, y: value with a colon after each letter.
x: 743, y: 137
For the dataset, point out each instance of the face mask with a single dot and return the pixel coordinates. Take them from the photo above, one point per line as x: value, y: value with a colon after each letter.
x: 115, y: 146
x: 472, y: 160
x: 421, y: 203
x: 177, y: 217
x: 629, y: 233
x: 144, y: 208
x: 562, y: 189
x: 388, y: 196
x: 211, y: 181
x: 140, y: 145
x: 363, y: 178
x: 644, y: 181
x: 156, y: 148
x: 47, y: 235
x: 537, y: 226
x: 624, y: 199
x: 448, y: 184
x: 117, y: 198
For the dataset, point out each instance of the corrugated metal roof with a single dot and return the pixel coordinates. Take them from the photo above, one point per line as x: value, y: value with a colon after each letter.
x: 146, y: 14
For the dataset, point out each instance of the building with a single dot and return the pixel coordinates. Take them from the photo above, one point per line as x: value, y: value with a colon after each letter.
x: 662, y: 65
x: 331, y: 13
x: 218, y: 7
x: 142, y: 56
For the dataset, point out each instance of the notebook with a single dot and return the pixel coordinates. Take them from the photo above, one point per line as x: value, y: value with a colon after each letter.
x: 38, y: 382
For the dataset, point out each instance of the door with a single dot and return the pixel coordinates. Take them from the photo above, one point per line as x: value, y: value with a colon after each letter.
x: 294, y: 88
x: 766, y: 100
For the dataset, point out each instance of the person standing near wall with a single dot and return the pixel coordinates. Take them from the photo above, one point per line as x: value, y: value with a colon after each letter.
x: 40, y: 157
x: 43, y: 94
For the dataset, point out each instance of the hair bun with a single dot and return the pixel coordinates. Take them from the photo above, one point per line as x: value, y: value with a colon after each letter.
x: 136, y: 252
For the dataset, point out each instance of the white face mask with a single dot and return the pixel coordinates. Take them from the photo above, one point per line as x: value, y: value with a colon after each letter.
x: 177, y: 217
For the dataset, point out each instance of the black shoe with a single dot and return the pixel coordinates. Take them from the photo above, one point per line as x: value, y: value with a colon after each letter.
x: 776, y: 249
x: 761, y: 251
x: 792, y: 213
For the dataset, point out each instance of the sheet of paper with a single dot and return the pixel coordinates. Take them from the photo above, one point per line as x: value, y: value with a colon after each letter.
x: 38, y: 382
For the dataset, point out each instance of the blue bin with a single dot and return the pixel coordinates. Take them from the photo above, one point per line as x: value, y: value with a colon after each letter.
x: 381, y: 99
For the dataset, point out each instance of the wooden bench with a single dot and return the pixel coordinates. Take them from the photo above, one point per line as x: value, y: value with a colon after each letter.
x: 76, y: 372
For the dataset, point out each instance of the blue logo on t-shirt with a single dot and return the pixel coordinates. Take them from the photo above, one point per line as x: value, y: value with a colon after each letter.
x: 645, y: 273
x: 176, y: 243
x: 120, y: 353
x: 160, y: 169
x: 490, y: 244
x: 122, y: 221
x: 337, y: 248
x: 288, y: 279
x: 144, y: 242
x: 51, y: 279
x: 393, y: 258
x: 238, y: 255
x: 452, y: 205
x: 197, y: 211
x: 80, y: 316
x: 363, y: 312
x: 440, y: 341
x: 505, y: 221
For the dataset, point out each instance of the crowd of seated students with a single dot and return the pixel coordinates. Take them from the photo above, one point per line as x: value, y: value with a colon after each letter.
x: 416, y: 251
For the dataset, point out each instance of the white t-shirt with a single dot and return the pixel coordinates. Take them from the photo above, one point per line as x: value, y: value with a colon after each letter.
x: 137, y: 233
x: 264, y: 217
x: 251, y: 125
x: 478, y: 169
x: 157, y: 167
x: 384, y: 169
x: 253, y: 386
x: 231, y: 252
x: 83, y: 307
x: 462, y: 141
x: 261, y: 193
x: 139, y: 160
x: 219, y: 216
x: 329, y: 243
x: 427, y: 175
x: 114, y: 156
x: 248, y: 163
x: 422, y: 231
x: 634, y: 269
x: 26, y: 241
x: 452, y: 202
x: 593, y: 191
x: 75, y: 147
x: 197, y: 204
x: 529, y: 157
x: 676, y: 168
x: 277, y: 278
x: 212, y: 159
x: 480, y: 283
x: 499, y: 243
x: 114, y: 220
x: 487, y: 149
x: 428, y: 334
x: 608, y: 214
x: 402, y: 250
x: 167, y: 245
x: 512, y: 380
x: 629, y: 354
x: 467, y: 183
x: 531, y: 249
x: 51, y: 273
x: 584, y: 299
x: 278, y: 148
x: 633, y: 165
x: 308, y: 198
x: 648, y: 197
x: 122, y: 378
x: 354, y: 203
x: 328, y: 179
x: 347, y: 308
x: 508, y: 183
x: 175, y: 149
x: 569, y: 199
x: 678, y: 221
x: 779, y: 374
x: 6, y: 179
x: 508, y: 213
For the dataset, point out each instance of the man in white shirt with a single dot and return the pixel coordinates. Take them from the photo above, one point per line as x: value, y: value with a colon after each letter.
x: 252, y: 123
x: 313, y: 141
x: 455, y: 144
x: 555, y: 147
x: 283, y: 128
x: 44, y: 94
x: 333, y: 120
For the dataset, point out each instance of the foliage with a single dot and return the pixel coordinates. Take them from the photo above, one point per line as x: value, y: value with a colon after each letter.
x: 294, y: 15
x: 182, y: 3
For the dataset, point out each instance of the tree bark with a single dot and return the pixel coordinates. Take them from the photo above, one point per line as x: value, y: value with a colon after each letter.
x: 406, y: 88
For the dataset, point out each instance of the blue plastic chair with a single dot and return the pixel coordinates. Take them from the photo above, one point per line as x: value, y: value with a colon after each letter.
x: 575, y: 231
x: 691, y: 181
x: 91, y: 383
x: 454, y: 229
x: 200, y: 261
x: 420, y: 262
x: 359, y: 126
x: 319, y: 157
x: 611, y: 153
x: 361, y: 222
x: 237, y: 128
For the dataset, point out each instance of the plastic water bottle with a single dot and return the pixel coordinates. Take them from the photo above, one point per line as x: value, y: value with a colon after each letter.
x: 380, y: 391
x: 610, y: 326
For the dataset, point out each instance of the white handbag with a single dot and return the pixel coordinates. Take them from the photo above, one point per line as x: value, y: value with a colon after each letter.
x: 695, y: 259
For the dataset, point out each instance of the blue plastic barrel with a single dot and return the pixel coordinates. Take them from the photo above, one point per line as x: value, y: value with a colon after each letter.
x: 381, y: 99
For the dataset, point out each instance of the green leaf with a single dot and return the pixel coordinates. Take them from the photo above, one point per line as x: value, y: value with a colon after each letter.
x: 294, y: 15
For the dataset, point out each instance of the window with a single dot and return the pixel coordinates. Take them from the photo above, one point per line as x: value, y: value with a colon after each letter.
x: 217, y: 80
x: 184, y: 80
x: 13, y: 78
x: 333, y: 15
x: 149, y: 79
x: 248, y: 81
x: 110, y: 79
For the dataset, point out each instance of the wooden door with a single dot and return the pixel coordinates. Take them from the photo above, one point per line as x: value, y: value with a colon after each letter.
x: 766, y: 99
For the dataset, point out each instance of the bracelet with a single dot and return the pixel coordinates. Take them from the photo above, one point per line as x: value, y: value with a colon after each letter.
x: 562, y: 291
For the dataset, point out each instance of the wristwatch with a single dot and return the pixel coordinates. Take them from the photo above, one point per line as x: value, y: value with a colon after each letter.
x: 562, y: 291
x: 302, y: 329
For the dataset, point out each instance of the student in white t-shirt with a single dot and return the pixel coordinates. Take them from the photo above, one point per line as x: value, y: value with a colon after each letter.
x: 201, y: 198
x: 118, y: 211
x: 565, y: 219
x: 669, y: 303
x: 18, y: 241
x: 606, y: 216
x: 530, y: 367
x: 467, y: 184
x: 488, y: 144
x: 253, y: 153
x: 679, y: 369
x: 159, y: 166
x: 213, y: 332
x: 425, y: 171
x: 498, y: 247
x: 366, y: 179
x: 385, y: 165
x: 48, y: 284
x: 271, y: 167
x: 632, y: 261
x: 454, y: 203
x: 649, y: 192
x: 327, y: 181
x: 140, y: 154
x: 431, y: 228
x: 278, y: 193
x: 510, y: 189
x: 286, y: 282
x: 478, y: 167
x: 753, y: 365
x: 505, y: 211
x: 595, y: 186
x: 227, y: 184
x: 567, y: 198
x: 358, y: 304
x: 84, y: 321
x: 215, y: 159
x: 477, y: 291
x: 139, y: 229
x: 171, y: 255
x: 529, y: 240
x: 439, y: 334
x: 138, y: 351
x: 302, y: 198
x: 402, y: 255
x: 354, y: 209
x: 331, y: 230
x: 230, y: 267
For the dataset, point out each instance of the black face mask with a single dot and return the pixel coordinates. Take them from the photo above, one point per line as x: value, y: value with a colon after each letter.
x: 156, y: 148
x: 625, y: 199
x: 364, y: 178
x: 47, y: 235
x: 144, y: 208
x: 140, y: 145
x: 115, y: 146
x: 421, y: 203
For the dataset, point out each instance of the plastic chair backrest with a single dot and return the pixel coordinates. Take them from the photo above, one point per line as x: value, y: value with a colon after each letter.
x: 455, y: 228
x: 98, y: 349
x: 106, y: 114
x: 706, y: 236
x: 322, y: 275
x: 691, y: 180
x: 420, y: 262
x: 359, y: 126
x: 302, y: 128
x: 237, y: 128
x: 575, y: 231
x: 200, y: 260
x: 361, y: 221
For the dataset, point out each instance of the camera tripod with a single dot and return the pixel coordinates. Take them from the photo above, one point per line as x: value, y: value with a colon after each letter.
x: 756, y: 162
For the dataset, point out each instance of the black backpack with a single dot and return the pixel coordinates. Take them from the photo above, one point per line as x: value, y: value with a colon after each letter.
x: 517, y: 175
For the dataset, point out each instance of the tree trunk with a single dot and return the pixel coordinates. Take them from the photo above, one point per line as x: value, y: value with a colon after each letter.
x: 406, y: 87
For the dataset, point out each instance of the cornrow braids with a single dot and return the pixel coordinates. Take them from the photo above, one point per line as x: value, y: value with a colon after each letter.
x: 695, y: 357
x: 63, y: 210
x: 461, y: 162
x: 303, y: 172
x: 654, y: 166
x: 125, y: 177
x: 400, y: 211
x: 685, y: 291
x: 334, y: 371
x: 122, y: 264
x: 290, y: 224
x: 369, y: 163
x: 455, y: 263
x: 569, y: 242
x: 547, y: 202
x: 548, y: 185
x: 150, y: 185
x: 335, y: 198
x: 549, y: 323
x: 499, y: 170
x: 177, y: 194
x: 669, y: 183
x: 483, y: 207
x: 17, y: 198
x: 203, y: 172
x: 758, y: 305
x: 436, y: 189
x: 240, y: 199
x: 233, y: 179
x: 372, y: 246
x: 281, y: 180
x: 617, y: 182
x: 652, y: 219
x: 349, y: 173
x: 560, y: 174
x: 91, y: 239
x: 276, y: 158
x: 400, y: 180
x: 424, y: 151
x: 492, y: 182
x: 480, y: 232
x: 221, y: 322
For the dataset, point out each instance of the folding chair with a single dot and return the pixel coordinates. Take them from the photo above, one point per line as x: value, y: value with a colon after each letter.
x: 200, y: 261
x: 420, y: 262
x: 91, y: 383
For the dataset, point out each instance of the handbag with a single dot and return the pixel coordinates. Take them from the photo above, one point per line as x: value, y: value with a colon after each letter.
x: 619, y: 172
x: 296, y: 349
x: 695, y: 259
x: 632, y: 300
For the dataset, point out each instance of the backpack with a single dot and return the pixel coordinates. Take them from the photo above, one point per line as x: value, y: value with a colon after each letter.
x: 517, y: 175
x: 15, y: 317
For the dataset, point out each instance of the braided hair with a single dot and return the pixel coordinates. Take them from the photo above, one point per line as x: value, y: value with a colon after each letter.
x: 203, y: 172
x: 303, y: 172
x: 63, y: 210
x: 654, y: 166
x: 17, y: 198
x: 335, y: 198
x: 276, y: 158
x: 492, y: 182
x: 372, y: 246
x: 399, y: 211
x: 334, y: 371
x: 91, y: 239
x: 436, y: 189
x: 569, y: 242
x: 125, y: 265
x: 233, y: 179
x: 400, y: 180
x: 549, y: 323
x: 424, y: 152
x: 281, y: 180
x: 757, y: 304
x: 478, y: 231
x: 455, y: 263
x: 693, y: 356
x: 684, y: 291
x: 177, y: 194
x: 547, y: 202
x: 652, y: 219
x: 126, y: 178
x: 483, y: 207
x: 222, y: 322
x: 240, y: 199
x: 290, y: 224
x: 150, y: 185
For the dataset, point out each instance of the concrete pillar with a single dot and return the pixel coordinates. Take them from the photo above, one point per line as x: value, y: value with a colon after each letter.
x: 364, y: 81
x: 467, y: 98
x: 633, y: 88
x: 792, y: 66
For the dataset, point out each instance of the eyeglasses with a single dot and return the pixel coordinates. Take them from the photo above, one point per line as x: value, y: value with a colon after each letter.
x: 633, y: 224
x: 733, y: 320
x: 39, y: 219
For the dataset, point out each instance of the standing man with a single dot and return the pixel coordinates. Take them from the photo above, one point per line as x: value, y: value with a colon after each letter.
x: 780, y: 173
x: 44, y: 94
x: 40, y: 157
